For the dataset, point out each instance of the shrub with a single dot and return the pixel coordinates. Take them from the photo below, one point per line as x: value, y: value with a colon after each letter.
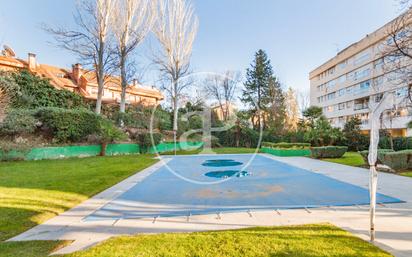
x: 328, y: 151
x: 397, y: 160
x: 247, y: 137
x: 18, y: 122
x: 34, y: 92
x: 10, y: 151
x: 145, y: 140
x: 286, y: 145
x: 108, y: 134
x: 69, y: 125
x: 381, y: 152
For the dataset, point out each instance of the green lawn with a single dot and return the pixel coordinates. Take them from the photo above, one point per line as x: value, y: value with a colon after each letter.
x: 355, y: 159
x: 350, y: 158
x: 32, y: 192
x: 308, y: 240
x: 300, y: 241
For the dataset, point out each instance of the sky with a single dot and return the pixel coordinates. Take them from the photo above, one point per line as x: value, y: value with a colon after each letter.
x: 298, y: 35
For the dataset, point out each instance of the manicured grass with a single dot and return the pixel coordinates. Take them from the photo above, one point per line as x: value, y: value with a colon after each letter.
x: 350, y: 158
x: 32, y: 192
x: 407, y: 174
x: 30, y: 248
x: 355, y: 159
x: 308, y: 240
x: 222, y: 150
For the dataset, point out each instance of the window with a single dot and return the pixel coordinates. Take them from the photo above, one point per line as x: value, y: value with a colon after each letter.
x: 378, y: 81
x: 378, y: 97
x: 402, y: 92
x: 331, y: 96
x: 362, y: 57
x: 341, y: 92
x: 331, y: 71
x: 341, y: 106
x: 342, y: 65
x: 349, y: 90
x: 364, y: 86
x: 378, y: 64
x: 342, y: 79
x: 361, y: 73
x: 348, y: 105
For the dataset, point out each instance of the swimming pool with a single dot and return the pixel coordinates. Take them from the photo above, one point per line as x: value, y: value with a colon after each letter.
x: 229, y: 183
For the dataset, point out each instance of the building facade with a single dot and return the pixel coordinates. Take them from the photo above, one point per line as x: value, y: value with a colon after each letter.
x: 345, y: 85
x: 81, y: 81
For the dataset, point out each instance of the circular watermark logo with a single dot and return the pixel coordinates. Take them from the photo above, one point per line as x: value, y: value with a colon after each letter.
x: 212, y: 108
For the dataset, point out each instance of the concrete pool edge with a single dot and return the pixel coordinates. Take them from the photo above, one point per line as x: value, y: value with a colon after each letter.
x: 68, y: 226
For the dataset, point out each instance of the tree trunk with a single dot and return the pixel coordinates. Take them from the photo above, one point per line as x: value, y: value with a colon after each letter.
x: 103, y: 150
x: 123, y: 84
x: 100, y: 77
x: 237, y: 133
x: 175, y: 113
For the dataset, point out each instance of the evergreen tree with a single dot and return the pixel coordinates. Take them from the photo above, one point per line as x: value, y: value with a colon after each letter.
x: 275, y: 108
x: 263, y: 92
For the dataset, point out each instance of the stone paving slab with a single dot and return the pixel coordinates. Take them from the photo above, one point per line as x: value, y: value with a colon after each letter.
x: 393, y: 223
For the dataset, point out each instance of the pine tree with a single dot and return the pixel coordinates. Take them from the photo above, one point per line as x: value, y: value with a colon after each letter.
x: 263, y: 93
x: 257, y: 84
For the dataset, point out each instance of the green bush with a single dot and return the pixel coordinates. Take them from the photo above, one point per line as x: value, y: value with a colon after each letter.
x: 145, y: 140
x: 10, y: 151
x: 328, y: 151
x: 69, y: 125
x: 109, y: 133
x: 18, y: 122
x: 34, y: 92
x: 284, y: 145
x: 381, y: 152
x: 247, y: 137
x: 398, y: 160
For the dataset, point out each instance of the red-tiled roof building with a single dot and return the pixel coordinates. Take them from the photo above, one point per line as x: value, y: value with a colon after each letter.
x: 82, y: 81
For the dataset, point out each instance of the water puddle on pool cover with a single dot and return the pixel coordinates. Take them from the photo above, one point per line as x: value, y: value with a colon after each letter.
x: 224, y: 173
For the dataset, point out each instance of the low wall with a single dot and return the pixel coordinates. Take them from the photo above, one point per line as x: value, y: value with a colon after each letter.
x: 286, y: 152
x: 73, y: 151
x: 170, y: 146
x: 47, y: 153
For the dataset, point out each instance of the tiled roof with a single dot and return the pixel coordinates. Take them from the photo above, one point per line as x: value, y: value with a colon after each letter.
x: 12, y: 62
x: 62, y: 79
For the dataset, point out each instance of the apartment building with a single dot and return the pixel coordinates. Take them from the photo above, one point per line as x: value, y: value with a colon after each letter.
x: 81, y: 81
x: 346, y: 84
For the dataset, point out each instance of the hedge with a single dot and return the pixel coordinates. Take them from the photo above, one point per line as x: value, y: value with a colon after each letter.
x: 398, y: 160
x: 69, y: 125
x: 365, y: 154
x: 328, y: 151
x: 284, y: 145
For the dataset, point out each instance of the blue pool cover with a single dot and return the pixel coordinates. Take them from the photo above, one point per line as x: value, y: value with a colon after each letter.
x: 263, y: 184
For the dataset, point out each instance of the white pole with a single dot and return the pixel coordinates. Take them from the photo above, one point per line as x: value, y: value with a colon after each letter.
x: 372, y: 190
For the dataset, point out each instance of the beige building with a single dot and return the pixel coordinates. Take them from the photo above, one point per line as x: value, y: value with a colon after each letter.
x: 81, y: 81
x: 344, y: 85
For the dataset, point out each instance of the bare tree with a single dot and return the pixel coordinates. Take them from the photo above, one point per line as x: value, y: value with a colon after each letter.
x: 303, y: 100
x: 175, y: 29
x: 90, y: 42
x: 223, y: 89
x: 132, y: 20
x: 396, y: 50
x: 292, y: 109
